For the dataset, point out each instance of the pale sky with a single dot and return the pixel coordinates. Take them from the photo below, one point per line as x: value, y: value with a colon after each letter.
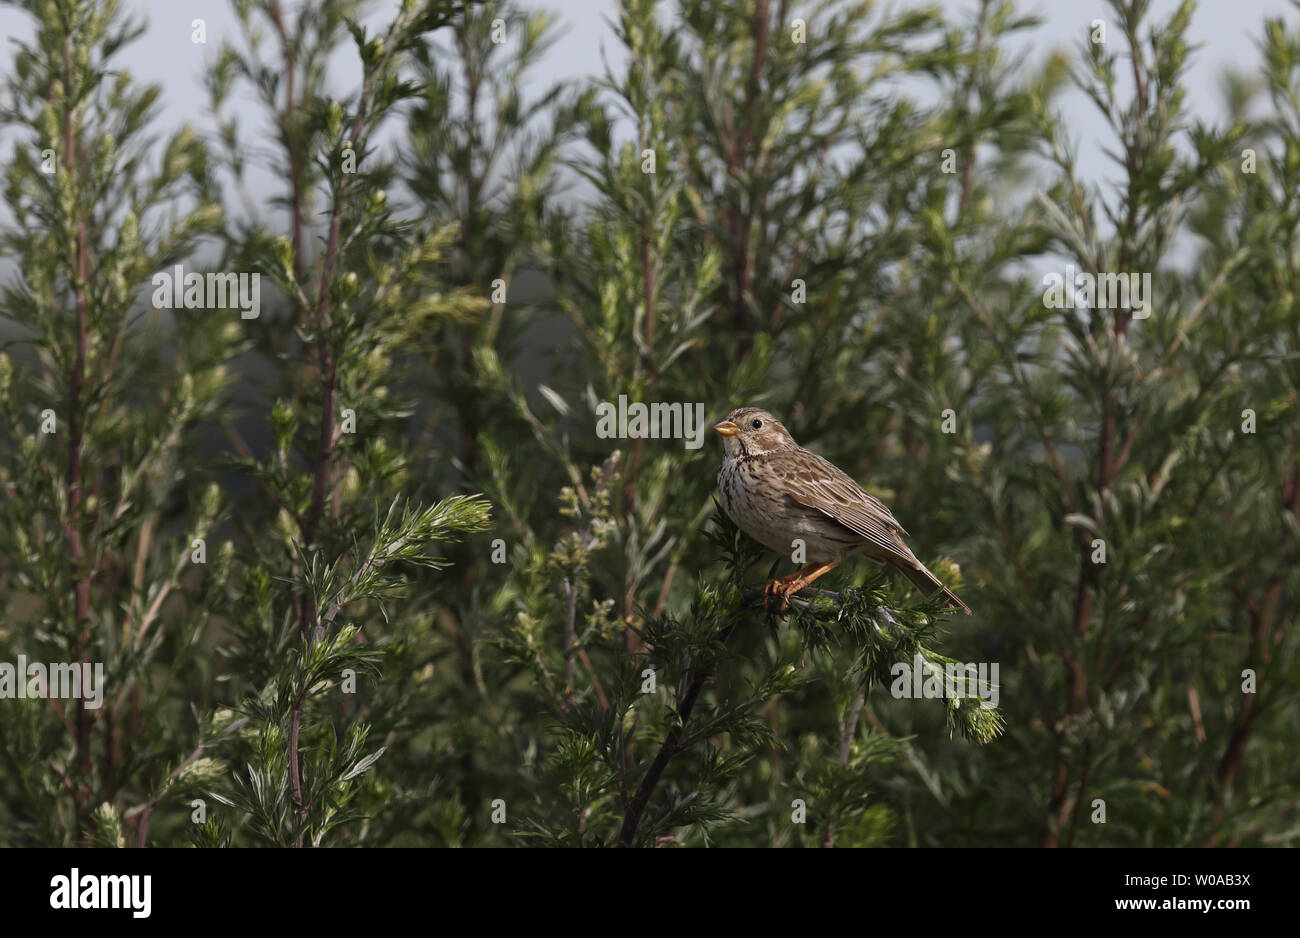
x: 1227, y: 29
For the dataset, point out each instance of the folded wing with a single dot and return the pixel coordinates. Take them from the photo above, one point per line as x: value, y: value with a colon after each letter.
x: 816, y: 483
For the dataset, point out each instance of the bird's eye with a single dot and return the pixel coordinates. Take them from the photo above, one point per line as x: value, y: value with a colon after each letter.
x: 757, y: 424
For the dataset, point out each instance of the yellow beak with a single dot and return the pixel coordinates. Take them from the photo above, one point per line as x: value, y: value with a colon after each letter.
x: 727, y: 428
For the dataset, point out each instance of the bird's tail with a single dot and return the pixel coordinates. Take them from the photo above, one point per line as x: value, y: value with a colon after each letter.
x: 928, y: 583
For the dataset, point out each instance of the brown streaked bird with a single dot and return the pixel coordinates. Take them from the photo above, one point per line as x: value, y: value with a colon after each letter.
x: 776, y: 491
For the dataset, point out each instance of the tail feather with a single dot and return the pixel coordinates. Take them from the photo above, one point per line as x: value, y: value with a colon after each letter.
x: 928, y: 583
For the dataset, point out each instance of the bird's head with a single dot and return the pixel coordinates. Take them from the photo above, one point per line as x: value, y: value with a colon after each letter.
x: 750, y: 431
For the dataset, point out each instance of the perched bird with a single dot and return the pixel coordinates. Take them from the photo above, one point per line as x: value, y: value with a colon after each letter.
x: 776, y: 491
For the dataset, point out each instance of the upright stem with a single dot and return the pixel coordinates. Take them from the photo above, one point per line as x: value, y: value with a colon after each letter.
x: 319, y: 317
x: 79, y: 566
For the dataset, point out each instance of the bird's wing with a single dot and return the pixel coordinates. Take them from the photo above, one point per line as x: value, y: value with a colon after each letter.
x: 816, y: 483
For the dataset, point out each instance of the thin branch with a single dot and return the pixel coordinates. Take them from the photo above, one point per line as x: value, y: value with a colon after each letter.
x: 695, y: 679
x: 193, y: 757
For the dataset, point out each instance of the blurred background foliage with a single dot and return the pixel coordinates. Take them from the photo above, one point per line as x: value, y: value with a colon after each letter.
x: 435, y: 608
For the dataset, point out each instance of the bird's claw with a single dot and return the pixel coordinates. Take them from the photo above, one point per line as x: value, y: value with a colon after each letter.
x: 784, y: 588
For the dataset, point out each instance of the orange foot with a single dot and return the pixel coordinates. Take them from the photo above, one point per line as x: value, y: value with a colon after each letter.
x: 787, y: 586
x: 780, y: 588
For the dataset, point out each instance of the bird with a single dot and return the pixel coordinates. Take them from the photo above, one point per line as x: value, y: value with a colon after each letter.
x: 776, y: 492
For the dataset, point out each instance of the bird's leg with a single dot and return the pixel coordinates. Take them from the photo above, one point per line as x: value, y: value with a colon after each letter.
x: 805, y: 577
x: 787, y: 586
